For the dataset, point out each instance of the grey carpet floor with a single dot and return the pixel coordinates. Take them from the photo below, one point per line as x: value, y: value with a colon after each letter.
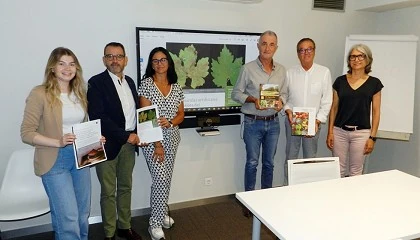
x: 216, y: 221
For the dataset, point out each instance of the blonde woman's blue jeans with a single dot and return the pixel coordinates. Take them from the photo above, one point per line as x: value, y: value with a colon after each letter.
x: 68, y: 190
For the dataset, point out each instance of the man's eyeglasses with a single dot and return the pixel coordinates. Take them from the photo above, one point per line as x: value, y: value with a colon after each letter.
x: 305, y: 50
x: 358, y: 57
x: 110, y: 57
x: 157, y: 61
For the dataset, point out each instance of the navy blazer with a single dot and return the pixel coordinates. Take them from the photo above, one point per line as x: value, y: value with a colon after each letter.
x: 104, y: 103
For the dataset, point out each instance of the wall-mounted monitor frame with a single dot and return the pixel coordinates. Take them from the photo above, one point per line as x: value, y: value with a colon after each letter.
x: 207, y: 64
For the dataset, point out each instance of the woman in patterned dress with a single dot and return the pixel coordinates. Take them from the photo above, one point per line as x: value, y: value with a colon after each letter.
x: 159, y: 87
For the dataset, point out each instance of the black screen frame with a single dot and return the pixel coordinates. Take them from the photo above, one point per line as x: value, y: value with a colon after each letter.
x: 207, y: 112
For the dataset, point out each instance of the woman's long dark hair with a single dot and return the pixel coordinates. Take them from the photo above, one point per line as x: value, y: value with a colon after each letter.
x: 171, y: 74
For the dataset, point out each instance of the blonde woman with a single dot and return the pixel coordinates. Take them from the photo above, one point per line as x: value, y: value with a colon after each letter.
x: 51, y: 109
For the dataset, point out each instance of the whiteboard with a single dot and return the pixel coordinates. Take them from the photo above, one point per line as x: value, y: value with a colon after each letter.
x: 394, y: 63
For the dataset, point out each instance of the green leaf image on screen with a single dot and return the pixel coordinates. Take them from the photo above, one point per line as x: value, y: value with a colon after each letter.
x: 226, y: 68
x: 187, y: 66
x: 194, y: 61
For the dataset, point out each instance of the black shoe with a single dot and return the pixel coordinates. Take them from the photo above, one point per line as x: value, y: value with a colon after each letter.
x: 128, y: 234
x: 110, y: 238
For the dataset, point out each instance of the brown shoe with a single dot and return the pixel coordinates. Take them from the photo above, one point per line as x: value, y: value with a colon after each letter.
x: 128, y: 234
x: 246, y: 212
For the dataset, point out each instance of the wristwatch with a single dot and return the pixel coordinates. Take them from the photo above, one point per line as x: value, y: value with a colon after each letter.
x: 373, y: 138
x: 172, y: 125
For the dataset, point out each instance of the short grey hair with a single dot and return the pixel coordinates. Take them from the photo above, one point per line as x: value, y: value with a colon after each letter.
x: 269, y: 33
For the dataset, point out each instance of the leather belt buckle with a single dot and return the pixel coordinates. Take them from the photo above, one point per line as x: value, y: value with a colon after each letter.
x: 263, y: 118
x: 349, y: 128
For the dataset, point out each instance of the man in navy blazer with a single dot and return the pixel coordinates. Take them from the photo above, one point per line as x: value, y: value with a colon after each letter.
x: 112, y: 97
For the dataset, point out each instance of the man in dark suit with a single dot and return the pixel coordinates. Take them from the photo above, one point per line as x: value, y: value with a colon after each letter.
x: 113, y: 98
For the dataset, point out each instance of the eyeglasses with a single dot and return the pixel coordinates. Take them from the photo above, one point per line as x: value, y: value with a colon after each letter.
x: 358, y: 57
x: 305, y: 50
x: 157, y: 61
x: 110, y: 57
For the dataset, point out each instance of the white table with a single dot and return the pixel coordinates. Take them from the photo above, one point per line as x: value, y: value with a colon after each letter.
x: 383, y: 205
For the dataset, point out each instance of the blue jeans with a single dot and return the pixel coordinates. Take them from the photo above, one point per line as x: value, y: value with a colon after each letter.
x: 68, y: 190
x: 259, y: 133
x: 309, y: 146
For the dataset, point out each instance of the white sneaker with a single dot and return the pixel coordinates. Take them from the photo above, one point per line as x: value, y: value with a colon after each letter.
x: 168, y: 222
x: 156, y: 233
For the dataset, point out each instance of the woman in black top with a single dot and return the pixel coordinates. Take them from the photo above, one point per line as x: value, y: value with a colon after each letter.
x: 351, y: 132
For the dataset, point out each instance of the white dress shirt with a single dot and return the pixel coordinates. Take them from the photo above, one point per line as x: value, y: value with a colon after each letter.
x: 312, y: 88
x: 127, y: 101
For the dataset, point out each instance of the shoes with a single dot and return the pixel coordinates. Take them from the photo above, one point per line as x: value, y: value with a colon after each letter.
x: 128, y: 234
x: 168, y: 222
x: 110, y: 238
x: 246, y: 212
x: 156, y: 233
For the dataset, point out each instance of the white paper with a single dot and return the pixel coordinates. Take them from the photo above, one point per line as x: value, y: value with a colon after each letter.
x: 313, y: 169
x: 148, y: 128
x: 308, y: 130
x: 88, y: 149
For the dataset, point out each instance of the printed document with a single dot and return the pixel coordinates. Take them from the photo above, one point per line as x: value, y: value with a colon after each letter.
x: 148, y: 128
x: 88, y: 149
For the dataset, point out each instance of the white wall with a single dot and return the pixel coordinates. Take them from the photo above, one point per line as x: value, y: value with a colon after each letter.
x: 395, y: 154
x: 384, y: 5
x: 31, y: 29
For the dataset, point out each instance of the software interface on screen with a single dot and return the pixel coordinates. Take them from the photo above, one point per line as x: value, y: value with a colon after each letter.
x: 207, y: 63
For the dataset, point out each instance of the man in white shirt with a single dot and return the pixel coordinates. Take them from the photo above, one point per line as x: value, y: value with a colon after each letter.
x: 308, y: 85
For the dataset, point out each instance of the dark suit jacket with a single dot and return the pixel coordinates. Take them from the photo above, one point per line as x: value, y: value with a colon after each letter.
x: 104, y: 104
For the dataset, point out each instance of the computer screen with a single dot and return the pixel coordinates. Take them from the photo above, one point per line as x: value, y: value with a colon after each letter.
x: 207, y: 63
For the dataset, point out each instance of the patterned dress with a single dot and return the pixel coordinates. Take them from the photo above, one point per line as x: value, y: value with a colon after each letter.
x: 162, y: 172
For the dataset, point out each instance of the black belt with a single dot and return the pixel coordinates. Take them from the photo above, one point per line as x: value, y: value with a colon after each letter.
x: 264, y: 118
x: 352, y: 128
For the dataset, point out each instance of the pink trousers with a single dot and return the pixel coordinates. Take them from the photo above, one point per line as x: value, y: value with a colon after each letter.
x: 349, y: 147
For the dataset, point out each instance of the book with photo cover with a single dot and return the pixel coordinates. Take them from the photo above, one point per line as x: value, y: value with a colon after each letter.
x: 304, y: 120
x: 88, y: 150
x: 148, y: 128
x: 269, y: 95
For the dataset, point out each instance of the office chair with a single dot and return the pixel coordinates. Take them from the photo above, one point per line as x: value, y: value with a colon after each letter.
x: 22, y: 195
x: 313, y: 169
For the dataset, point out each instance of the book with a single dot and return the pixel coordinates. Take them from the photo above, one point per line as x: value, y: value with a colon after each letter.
x: 269, y: 95
x: 148, y: 128
x: 303, y: 122
x: 88, y: 149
